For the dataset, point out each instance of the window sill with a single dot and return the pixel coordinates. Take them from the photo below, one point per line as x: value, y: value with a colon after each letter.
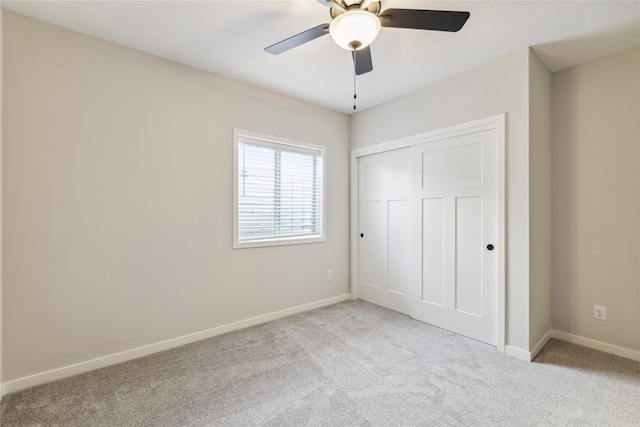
x: 278, y: 242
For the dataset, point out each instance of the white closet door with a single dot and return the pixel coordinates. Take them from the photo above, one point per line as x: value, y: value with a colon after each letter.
x: 384, y: 208
x: 454, y: 226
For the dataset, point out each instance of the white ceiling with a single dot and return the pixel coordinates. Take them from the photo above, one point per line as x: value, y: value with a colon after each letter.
x: 228, y: 37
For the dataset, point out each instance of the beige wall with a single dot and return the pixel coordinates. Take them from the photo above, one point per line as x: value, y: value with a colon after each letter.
x: 596, y: 190
x: 1, y: 77
x: 539, y: 201
x: 117, y: 201
x: 500, y: 86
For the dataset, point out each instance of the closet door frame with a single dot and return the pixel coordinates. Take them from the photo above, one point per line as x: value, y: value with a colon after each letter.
x: 494, y: 122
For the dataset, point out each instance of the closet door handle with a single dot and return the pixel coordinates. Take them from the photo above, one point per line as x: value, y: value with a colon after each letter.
x: 490, y: 246
x: 361, y: 234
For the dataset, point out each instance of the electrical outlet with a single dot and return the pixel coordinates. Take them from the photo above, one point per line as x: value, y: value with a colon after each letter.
x: 330, y: 275
x: 599, y: 312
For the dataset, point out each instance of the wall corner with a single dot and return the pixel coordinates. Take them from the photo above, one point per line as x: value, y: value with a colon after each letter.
x: 1, y: 131
x: 540, y: 171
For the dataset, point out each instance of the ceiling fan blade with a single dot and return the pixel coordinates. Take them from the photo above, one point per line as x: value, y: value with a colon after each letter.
x: 435, y: 20
x: 298, y: 39
x: 362, y: 60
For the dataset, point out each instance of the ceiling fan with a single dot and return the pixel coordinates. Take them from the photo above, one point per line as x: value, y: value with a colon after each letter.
x: 356, y: 23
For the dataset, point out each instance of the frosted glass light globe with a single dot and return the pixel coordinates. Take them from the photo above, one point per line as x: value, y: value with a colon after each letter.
x: 354, y: 29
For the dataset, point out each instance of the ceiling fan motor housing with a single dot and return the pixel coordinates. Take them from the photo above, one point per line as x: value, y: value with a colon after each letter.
x: 373, y: 7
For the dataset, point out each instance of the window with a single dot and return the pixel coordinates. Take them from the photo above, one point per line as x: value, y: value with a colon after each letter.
x: 278, y: 191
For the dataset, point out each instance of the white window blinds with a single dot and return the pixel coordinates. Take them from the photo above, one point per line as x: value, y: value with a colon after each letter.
x: 279, y: 191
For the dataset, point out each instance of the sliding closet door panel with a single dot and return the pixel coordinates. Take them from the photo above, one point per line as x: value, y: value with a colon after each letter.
x: 455, y: 216
x: 384, y: 206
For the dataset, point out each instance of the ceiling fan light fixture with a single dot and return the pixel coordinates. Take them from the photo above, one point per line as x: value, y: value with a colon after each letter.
x: 354, y: 29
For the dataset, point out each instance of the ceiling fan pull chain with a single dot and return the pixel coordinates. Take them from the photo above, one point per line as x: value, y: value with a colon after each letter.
x: 355, y: 60
x: 354, y: 92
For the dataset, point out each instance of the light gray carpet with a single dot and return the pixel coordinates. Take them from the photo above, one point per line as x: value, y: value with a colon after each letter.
x: 352, y: 363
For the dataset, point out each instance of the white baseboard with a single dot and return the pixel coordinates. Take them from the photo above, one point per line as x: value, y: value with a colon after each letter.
x: 101, y: 362
x: 575, y: 339
x: 528, y: 356
x: 627, y: 353
x: 543, y: 341
x: 517, y: 353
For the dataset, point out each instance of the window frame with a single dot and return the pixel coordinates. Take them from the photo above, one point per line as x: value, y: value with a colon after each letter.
x: 239, y: 136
